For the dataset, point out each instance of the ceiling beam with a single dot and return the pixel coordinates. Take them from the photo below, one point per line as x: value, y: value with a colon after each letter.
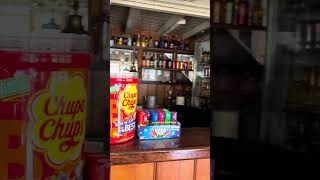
x: 132, y: 20
x: 201, y: 27
x: 170, y: 25
x: 195, y: 8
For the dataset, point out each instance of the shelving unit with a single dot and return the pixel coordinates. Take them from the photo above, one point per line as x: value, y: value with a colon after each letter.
x: 166, y: 69
x: 238, y: 27
x: 160, y: 50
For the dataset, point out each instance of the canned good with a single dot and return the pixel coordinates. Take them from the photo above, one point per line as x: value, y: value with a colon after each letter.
x: 167, y: 116
x: 174, y: 116
x: 160, y: 117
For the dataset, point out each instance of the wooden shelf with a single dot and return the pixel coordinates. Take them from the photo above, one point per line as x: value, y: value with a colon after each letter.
x: 238, y: 27
x: 160, y: 50
x: 164, y: 83
x: 165, y: 69
x: 307, y: 108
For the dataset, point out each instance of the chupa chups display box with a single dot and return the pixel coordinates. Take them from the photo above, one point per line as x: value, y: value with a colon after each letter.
x: 159, y: 144
x: 159, y: 131
x: 43, y: 99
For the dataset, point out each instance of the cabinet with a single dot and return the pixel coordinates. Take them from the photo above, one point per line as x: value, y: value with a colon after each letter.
x: 144, y: 171
x: 194, y: 169
x: 175, y: 170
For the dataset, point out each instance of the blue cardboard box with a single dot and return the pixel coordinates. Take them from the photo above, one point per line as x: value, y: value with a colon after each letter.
x: 159, y: 131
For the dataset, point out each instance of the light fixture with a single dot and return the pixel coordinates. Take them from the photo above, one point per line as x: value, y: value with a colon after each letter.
x: 182, y: 21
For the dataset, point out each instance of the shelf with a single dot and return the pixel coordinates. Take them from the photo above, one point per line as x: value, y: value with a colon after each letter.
x: 164, y: 83
x: 165, y: 69
x: 238, y: 27
x: 307, y: 108
x: 153, y: 49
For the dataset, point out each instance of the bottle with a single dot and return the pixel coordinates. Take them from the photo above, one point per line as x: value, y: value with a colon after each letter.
x: 164, y: 63
x: 250, y: 13
x: 146, y: 42
x: 216, y: 12
x: 138, y: 40
x: 171, y: 99
x: 160, y: 62
x: 147, y: 60
x: 151, y: 61
x: 229, y: 12
x: 155, y: 59
x: 120, y: 41
x: 243, y: 9
x: 112, y: 41
x: 161, y: 43
x: 174, y: 64
x: 156, y: 43
x: 257, y: 13
x: 134, y: 40
x: 235, y: 12
x: 125, y: 41
x: 317, y: 35
x: 178, y: 44
x: 223, y: 11
x: 150, y: 42
x: 166, y: 43
x: 129, y: 41
x: 169, y: 63
x: 143, y: 42
x: 190, y: 67
x: 144, y: 64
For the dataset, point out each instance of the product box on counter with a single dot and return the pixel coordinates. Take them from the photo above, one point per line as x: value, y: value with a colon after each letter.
x: 159, y: 131
x: 159, y: 144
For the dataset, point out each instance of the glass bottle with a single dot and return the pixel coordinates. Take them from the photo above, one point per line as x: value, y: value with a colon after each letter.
x: 235, y: 12
x: 147, y: 60
x: 217, y: 8
x: 229, y: 11
x: 243, y: 9
x: 150, y: 42
x: 138, y: 40
x: 257, y: 13
x: 144, y: 64
x: 143, y: 42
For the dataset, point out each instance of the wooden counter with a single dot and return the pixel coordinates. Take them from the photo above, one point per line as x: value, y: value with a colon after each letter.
x: 187, y: 158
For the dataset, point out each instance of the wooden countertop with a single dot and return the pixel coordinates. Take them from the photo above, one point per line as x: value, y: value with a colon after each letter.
x: 194, y: 143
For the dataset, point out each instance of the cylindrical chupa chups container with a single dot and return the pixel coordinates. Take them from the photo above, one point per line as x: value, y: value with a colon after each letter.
x: 123, y: 103
x: 45, y: 95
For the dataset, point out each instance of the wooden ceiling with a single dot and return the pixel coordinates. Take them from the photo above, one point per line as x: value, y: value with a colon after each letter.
x: 159, y: 22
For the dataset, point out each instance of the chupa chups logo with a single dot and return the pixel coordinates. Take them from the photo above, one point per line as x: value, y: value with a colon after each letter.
x: 128, y: 98
x: 59, y: 113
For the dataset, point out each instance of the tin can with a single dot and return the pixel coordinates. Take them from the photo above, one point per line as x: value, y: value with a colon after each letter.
x: 154, y: 117
x: 160, y: 116
x: 142, y: 118
x: 167, y: 116
x: 174, y: 115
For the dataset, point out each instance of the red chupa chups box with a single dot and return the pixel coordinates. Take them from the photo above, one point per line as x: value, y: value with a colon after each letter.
x: 43, y: 98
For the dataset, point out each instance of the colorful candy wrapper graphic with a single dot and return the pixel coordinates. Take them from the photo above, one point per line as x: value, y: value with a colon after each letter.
x: 142, y: 118
x: 174, y: 115
x: 160, y: 116
x: 167, y: 118
x: 154, y: 117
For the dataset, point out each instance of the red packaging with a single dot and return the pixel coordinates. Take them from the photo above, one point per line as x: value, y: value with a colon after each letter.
x: 96, y: 166
x: 43, y: 112
x: 123, y: 103
x: 142, y: 118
